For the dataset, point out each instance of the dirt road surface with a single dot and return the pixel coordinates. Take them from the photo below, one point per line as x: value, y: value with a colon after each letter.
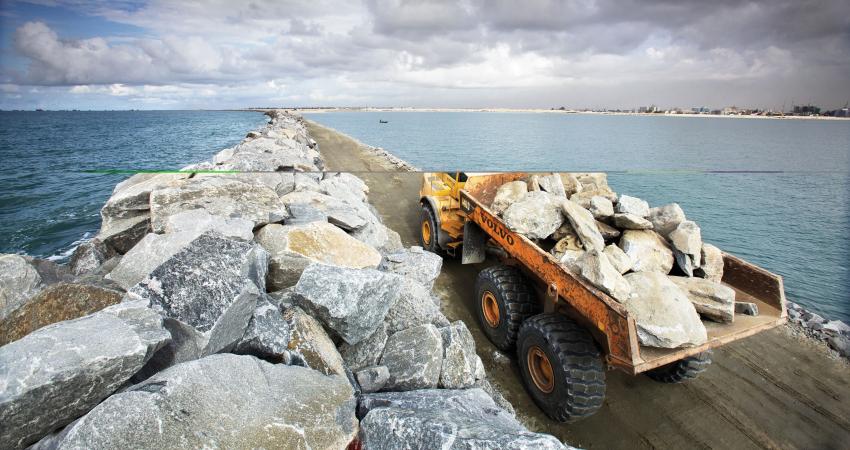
x: 773, y: 390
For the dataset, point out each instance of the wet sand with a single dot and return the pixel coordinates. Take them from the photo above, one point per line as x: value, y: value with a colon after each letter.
x: 773, y: 390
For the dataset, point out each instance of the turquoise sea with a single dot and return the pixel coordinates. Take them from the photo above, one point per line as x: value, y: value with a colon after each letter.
x: 774, y: 192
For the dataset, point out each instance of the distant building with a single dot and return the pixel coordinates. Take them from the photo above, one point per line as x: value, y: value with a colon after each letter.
x: 806, y: 110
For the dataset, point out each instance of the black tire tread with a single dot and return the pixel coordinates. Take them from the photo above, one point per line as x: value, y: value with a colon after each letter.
x: 579, y: 358
x: 520, y: 301
x: 682, y: 370
x: 434, y: 247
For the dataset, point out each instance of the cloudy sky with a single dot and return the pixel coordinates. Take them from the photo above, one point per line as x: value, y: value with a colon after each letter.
x: 472, y: 53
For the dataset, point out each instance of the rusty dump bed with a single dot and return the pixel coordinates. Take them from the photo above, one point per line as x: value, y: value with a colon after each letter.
x: 607, y: 319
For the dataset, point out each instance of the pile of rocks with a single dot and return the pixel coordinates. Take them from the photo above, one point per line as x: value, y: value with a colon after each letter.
x: 652, y: 260
x: 266, y: 310
x: 835, y: 333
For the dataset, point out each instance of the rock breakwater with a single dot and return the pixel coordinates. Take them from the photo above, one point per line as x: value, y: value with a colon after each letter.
x: 255, y: 302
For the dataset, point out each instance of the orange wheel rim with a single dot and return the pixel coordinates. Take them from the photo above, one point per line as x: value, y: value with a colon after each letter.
x: 540, y: 369
x: 426, y: 232
x: 491, y: 309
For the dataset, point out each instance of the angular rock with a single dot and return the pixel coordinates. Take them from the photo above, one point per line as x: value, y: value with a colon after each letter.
x: 122, y: 234
x: 632, y: 205
x: 647, y: 250
x: 198, y: 221
x: 712, y: 300
x: 339, y: 213
x: 303, y: 213
x: 584, y: 225
x: 601, y: 207
x: 414, y: 358
x: 593, y: 184
x: 608, y: 232
x: 293, y: 247
x: 222, y: 156
x: 153, y: 250
x: 687, y: 241
x: 746, y: 308
x: 443, y: 418
x: 218, y: 196
x: 552, y: 184
x: 711, y: 267
x: 89, y: 256
x: 308, y: 181
x: 459, y: 357
x: 378, y: 236
x: 537, y: 215
x: 55, y: 303
x: 310, y: 340
x: 372, y: 379
x: 413, y: 307
x: 508, y: 194
x: 346, y: 187
x: 414, y: 263
x: 666, y: 218
x: 223, y: 401
x: 497, y: 396
x: 367, y: 352
x: 618, y: 258
x: 132, y: 196
x: 56, y: 374
x: 267, y: 335
x: 569, y: 242
x: 664, y: 315
x: 571, y: 184
x: 569, y: 257
x: 840, y: 344
x: 595, y: 267
x: 631, y: 222
x: 351, y: 302
x: 19, y: 280
x: 207, y: 292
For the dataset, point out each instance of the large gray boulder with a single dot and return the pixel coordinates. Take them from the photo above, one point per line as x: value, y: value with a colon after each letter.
x: 414, y: 358
x: 414, y: 263
x: 367, y: 352
x: 712, y: 300
x: 664, y: 315
x: 570, y: 183
x: 457, y: 419
x: 121, y: 234
x: 687, y: 244
x: 60, y: 372
x: 415, y: 306
x: 89, y: 256
x: 595, y: 267
x: 601, y: 207
x: 344, y: 186
x: 552, y: 184
x: 218, y: 196
x: 632, y: 205
x: 711, y: 267
x: 372, y: 379
x: 340, y: 213
x: 198, y: 221
x: 294, y: 247
x: 153, y: 250
x: 647, y: 250
x: 131, y: 197
x: 207, y: 292
x: 460, y: 361
x: 267, y: 335
x: 666, y: 218
x: 608, y: 232
x: 508, y: 194
x: 351, y: 302
x: 223, y: 401
x: 631, y: 222
x: 584, y: 225
x: 309, y: 340
x: 537, y: 215
x: 377, y: 235
x: 19, y: 280
x: 618, y: 258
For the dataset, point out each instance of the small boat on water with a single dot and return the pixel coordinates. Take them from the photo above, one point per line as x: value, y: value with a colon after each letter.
x: 382, y: 121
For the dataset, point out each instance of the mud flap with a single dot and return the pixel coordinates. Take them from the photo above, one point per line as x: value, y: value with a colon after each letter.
x: 474, y: 243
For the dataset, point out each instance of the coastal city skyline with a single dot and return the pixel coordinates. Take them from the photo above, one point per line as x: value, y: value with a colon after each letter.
x: 581, y: 55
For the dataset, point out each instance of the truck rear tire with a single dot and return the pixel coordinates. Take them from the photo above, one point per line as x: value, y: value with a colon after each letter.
x: 504, y: 300
x: 561, y: 366
x: 682, y: 370
x: 428, y: 230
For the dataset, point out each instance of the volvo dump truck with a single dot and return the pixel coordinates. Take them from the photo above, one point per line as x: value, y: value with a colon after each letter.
x: 566, y: 332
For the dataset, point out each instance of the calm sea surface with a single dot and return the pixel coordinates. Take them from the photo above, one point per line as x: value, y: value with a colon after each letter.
x: 47, y: 202
x: 792, y: 217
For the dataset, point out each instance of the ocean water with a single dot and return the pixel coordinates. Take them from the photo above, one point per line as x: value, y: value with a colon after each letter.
x: 48, y: 203
x: 774, y: 192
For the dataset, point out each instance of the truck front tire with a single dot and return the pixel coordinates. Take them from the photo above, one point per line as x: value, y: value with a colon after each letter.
x: 504, y: 300
x: 428, y: 231
x: 561, y: 366
x: 682, y: 370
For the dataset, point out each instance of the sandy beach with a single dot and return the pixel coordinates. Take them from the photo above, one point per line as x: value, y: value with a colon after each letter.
x: 774, y: 390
